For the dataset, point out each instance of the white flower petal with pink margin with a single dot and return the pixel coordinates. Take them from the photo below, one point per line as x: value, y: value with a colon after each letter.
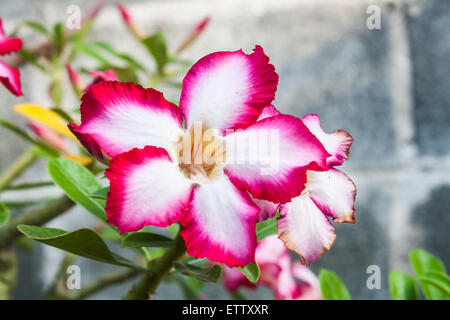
x: 269, y: 158
x: 227, y: 90
x: 221, y: 223
x: 334, y: 193
x: 305, y: 229
x: 123, y: 116
x: 10, y: 77
x: 337, y: 143
x: 146, y: 188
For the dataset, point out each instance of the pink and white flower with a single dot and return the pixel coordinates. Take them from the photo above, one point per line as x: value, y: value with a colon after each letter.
x: 152, y: 182
x: 9, y: 76
x: 288, y: 280
x: 304, y: 224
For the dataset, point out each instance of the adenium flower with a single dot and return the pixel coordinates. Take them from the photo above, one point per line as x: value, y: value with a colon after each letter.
x: 288, y: 280
x: 153, y: 183
x: 9, y: 76
x: 195, y: 32
x: 304, y: 225
x: 130, y: 22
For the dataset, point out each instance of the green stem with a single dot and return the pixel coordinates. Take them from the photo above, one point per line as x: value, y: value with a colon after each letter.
x: 34, y: 217
x: 159, y: 269
x: 17, y: 167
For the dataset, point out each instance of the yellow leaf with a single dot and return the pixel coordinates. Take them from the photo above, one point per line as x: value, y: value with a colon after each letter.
x: 44, y: 116
x: 84, y: 161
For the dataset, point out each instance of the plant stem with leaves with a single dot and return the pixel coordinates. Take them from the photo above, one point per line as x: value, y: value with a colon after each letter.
x: 159, y: 269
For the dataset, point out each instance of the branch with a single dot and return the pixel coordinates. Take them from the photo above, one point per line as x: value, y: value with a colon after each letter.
x: 149, y: 282
x: 17, y: 167
x: 35, y: 217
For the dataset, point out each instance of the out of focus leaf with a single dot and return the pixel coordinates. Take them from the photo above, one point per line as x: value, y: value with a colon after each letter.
x: 146, y: 239
x: 4, y: 214
x: 203, y: 274
x: 64, y: 115
x: 82, y: 242
x: 78, y: 183
x: 402, y: 286
x: 89, y: 51
x: 58, y: 36
x: 438, y: 285
x: 123, y: 56
x: 124, y: 74
x: 37, y: 26
x: 31, y: 58
x: 251, y: 272
x: 422, y: 263
x: 332, y: 287
x: 156, y: 45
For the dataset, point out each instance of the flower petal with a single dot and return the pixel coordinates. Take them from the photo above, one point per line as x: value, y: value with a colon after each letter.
x: 305, y: 229
x: 221, y: 224
x: 297, y: 282
x: 122, y: 116
x: 270, y: 254
x: 10, y: 77
x: 337, y: 143
x: 8, y: 45
x: 146, y: 188
x: 268, y: 209
x: 268, y: 112
x: 269, y: 158
x: 87, y: 142
x: 334, y: 193
x: 227, y: 90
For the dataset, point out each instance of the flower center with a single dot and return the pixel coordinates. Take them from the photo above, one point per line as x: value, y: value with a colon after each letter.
x: 200, y: 153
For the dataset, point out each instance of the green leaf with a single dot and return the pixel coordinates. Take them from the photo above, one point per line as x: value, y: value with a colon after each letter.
x: 156, y: 45
x: 402, y: 286
x: 83, y: 242
x: 203, y: 274
x: 251, y: 272
x: 195, y: 284
x: 89, y: 51
x: 21, y: 133
x: 332, y: 287
x: 197, y: 262
x: 101, y: 193
x: 37, y: 26
x: 58, y: 36
x: 423, y: 263
x: 4, y: 214
x: 124, y: 74
x: 31, y: 58
x: 146, y: 239
x: 78, y: 183
x: 438, y: 285
x: 267, y: 227
x: 123, y: 56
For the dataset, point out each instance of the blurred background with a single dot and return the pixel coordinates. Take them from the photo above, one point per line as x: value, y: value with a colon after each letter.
x: 388, y: 87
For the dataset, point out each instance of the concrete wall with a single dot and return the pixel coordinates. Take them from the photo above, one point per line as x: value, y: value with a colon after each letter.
x: 389, y: 88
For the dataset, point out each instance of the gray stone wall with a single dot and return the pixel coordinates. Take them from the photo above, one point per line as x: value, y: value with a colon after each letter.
x: 389, y: 87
